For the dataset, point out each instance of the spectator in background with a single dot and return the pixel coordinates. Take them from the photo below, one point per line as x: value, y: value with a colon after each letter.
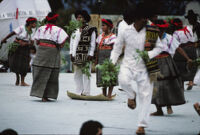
x: 91, y: 128
x: 9, y: 132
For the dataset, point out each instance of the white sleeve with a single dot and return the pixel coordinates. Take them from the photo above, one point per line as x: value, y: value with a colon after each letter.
x: 112, y: 40
x: 92, y: 44
x: 117, y: 48
x: 71, y: 43
x: 62, y: 36
x: 76, y: 40
x: 18, y: 30
x: 156, y: 50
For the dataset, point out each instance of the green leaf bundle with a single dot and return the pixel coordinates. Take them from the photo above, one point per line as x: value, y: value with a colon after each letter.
x: 143, y: 55
x: 86, y: 69
x: 109, y: 73
x: 13, y: 47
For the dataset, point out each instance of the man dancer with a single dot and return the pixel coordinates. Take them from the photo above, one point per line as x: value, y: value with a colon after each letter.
x: 82, y: 47
x: 133, y: 67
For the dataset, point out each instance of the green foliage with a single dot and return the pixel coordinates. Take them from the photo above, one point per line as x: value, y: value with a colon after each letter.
x: 109, y: 72
x: 143, y: 55
x: 197, y: 61
x: 73, y: 25
x: 86, y: 69
x: 40, y: 23
x: 13, y: 47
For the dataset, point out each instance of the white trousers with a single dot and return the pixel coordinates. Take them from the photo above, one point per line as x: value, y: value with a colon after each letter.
x: 145, y: 89
x: 82, y: 81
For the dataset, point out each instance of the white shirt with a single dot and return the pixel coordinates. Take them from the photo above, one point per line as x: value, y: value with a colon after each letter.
x: 107, y: 41
x: 22, y: 33
x: 170, y: 44
x: 133, y: 40
x: 182, y: 37
x: 57, y: 34
x: 122, y: 26
x: 75, y: 39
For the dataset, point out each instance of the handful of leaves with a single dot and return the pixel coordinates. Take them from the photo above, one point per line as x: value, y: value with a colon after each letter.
x: 86, y: 69
x: 196, y: 62
x: 13, y: 47
x: 109, y: 73
x: 143, y: 55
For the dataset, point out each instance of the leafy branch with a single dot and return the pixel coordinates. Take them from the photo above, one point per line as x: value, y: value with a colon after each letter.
x: 109, y: 72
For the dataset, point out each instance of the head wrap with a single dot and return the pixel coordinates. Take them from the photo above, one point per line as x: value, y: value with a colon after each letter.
x: 107, y: 22
x: 161, y: 24
x: 54, y: 17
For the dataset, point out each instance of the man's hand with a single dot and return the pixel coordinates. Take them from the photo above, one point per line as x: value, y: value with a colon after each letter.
x: 89, y: 58
x: 72, y: 58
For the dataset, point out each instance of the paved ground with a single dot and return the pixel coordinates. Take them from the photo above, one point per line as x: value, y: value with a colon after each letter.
x: 28, y: 115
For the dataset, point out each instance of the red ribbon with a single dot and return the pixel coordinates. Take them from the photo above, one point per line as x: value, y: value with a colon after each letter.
x: 52, y: 18
x: 49, y: 26
x: 185, y: 30
x: 166, y: 25
x: 31, y: 19
x: 105, y: 21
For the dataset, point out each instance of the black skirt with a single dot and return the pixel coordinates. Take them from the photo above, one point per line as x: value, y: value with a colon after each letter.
x: 19, y: 60
x: 169, y: 89
x: 181, y: 62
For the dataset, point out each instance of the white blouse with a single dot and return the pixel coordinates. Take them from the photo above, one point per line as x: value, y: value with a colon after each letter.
x: 22, y: 33
x: 56, y: 34
x: 170, y: 44
x: 184, y: 37
x: 107, y: 41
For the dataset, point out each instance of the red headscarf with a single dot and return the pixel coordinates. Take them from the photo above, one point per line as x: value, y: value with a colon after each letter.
x: 107, y: 22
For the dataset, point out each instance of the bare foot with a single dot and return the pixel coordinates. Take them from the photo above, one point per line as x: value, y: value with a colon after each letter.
x: 45, y: 100
x: 140, y: 131
x: 132, y: 103
x: 24, y: 84
x: 169, y: 110
x: 197, y: 108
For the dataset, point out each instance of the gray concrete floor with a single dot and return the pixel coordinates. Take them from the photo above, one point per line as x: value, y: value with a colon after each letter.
x: 28, y: 115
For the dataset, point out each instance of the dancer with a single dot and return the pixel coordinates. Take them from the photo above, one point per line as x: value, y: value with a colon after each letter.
x: 105, y: 43
x: 50, y: 38
x: 82, y: 47
x: 192, y: 19
x: 186, y: 38
x: 169, y: 89
x: 133, y: 68
x: 19, y: 58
